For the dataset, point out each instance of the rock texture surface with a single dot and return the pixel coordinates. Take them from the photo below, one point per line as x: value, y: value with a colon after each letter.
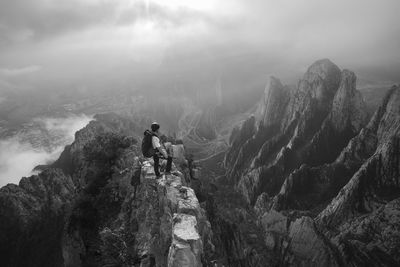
x: 324, y: 182
x: 308, y: 125
x: 309, y: 182
x: 86, y: 212
x: 32, y: 219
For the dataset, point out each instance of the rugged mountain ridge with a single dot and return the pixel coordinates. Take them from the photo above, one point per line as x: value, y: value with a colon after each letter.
x: 328, y: 178
x: 316, y: 185
x: 324, y: 108
x: 358, y: 227
x: 324, y: 182
x: 40, y: 204
x: 83, y: 211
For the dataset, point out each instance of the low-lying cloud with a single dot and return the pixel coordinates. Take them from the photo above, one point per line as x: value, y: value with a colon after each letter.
x: 20, y: 154
x: 64, y: 127
x: 9, y: 72
x: 18, y: 159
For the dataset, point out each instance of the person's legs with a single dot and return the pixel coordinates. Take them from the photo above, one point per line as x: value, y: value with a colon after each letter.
x: 169, y: 164
x: 156, y: 164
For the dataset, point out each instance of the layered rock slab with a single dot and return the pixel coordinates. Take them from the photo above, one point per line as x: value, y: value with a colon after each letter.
x: 185, y: 219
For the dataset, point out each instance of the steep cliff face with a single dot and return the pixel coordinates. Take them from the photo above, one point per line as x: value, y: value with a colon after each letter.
x: 324, y: 182
x: 32, y: 219
x: 104, y: 207
x: 271, y: 108
x: 72, y: 157
x: 37, y: 214
x: 348, y: 108
x: 354, y: 201
x: 309, y: 125
x: 265, y: 124
x: 377, y: 180
x: 309, y: 187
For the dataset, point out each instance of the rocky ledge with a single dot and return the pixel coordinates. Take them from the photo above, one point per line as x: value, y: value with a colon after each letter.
x: 100, y: 205
x: 184, y: 216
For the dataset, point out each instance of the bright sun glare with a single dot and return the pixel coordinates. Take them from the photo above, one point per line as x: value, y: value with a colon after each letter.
x: 202, y: 5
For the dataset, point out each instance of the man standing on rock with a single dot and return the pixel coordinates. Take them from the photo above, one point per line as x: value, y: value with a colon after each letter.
x: 159, y: 151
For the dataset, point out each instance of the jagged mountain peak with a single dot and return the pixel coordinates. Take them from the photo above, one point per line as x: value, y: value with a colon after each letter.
x: 348, y: 108
x: 390, y: 121
x: 271, y: 108
x: 274, y: 82
x: 107, y: 210
x: 322, y: 68
x: 377, y: 179
x: 361, y: 188
x: 321, y: 80
x: 310, y: 124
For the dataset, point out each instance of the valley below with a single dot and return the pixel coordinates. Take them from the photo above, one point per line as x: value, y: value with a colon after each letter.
x: 308, y: 175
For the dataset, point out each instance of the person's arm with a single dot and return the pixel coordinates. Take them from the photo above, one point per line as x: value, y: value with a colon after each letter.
x: 156, y: 145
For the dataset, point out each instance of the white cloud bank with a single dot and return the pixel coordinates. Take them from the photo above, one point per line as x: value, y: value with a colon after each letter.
x: 9, y: 72
x: 18, y: 157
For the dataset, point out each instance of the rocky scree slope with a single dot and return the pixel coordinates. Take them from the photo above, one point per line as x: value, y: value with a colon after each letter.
x: 84, y: 212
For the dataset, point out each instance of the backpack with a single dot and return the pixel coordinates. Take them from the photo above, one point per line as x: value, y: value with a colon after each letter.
x: 147, y: 145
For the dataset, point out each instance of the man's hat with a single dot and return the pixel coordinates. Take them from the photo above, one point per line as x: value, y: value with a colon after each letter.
x: 155, y: 126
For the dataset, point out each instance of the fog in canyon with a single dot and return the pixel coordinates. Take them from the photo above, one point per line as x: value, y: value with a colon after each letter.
x: 283, y: 118
x: 40, y: 142
x: 61, y: 57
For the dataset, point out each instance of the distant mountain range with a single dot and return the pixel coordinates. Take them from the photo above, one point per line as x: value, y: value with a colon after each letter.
x: 308, y: 176
x: 322, y: 175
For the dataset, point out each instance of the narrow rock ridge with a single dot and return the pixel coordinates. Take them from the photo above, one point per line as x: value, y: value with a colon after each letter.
x: 310, y: 125
x: 308, y: 187
x: 325, y: 185
x: 297, y: 242
x: 271, y: 108
x: 314, y: 92
x: 348, y: 108
x: 378, y: 178
x: 188, y: 221
x: 353, y: 202
x: 95, y: 212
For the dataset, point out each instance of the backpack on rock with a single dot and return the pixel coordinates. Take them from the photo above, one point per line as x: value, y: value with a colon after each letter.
x: 147, y: 145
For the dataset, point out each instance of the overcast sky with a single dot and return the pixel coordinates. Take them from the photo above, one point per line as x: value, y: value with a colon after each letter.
x: 95, y: 42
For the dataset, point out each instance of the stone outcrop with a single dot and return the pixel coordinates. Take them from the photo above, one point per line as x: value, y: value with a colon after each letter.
x: 308, y: 187
x: 189, y: 227
x: 372, y: 239
x: 348, y: 108
x: 315, y: 185
x: 72, y: 156
x: 378, y: 178
x: 271, y: 108
x: 358, y: 226
x: 33, y: 217
x: 309, y: 125
x: 324, y: 182
x: 297, y: 242
x: 88, y: 212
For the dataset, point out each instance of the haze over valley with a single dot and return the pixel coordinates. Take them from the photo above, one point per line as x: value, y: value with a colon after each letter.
x: 282, y: 120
